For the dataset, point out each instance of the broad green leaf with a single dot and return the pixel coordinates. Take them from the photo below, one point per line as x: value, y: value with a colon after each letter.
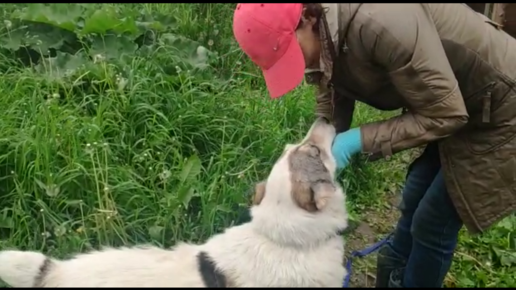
x: 507, y: 224
x: 14, y: 39
x: 51, y: 190
x: 106, y: 19
x: 112, y: 46
x: 466, y: 282
x: 508, y: 259
x: 156, y: 232
x: 6, y: 222
x: 187, y: 51
x: 191, y: 169
x: 187, y: 176
x: 64, y: 16
x: 150, y: 25
x: 185, y: 194
x: 60, y: 230
x: 41, y: 37
x: 61, y: 66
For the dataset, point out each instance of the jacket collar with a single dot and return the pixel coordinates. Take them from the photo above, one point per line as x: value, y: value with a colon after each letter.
x: 338, y: 18
x: 332, y: 18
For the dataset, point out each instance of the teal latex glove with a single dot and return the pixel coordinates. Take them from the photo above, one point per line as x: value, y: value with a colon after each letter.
x: 345, y: 145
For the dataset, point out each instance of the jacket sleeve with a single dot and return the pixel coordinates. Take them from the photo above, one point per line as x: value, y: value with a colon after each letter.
x: 403, y: 40
x: 338, y: 110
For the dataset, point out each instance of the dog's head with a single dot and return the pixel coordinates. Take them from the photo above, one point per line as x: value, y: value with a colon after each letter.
x: 300, y: 203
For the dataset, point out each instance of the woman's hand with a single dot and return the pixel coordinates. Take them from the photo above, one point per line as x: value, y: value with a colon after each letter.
x: 345, y: 145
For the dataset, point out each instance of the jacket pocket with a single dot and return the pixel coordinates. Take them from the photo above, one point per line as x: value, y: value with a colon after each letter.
x: 479, y: 105
x: 497, y: 105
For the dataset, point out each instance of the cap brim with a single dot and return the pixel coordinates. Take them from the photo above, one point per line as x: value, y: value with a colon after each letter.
x: 287, y: 73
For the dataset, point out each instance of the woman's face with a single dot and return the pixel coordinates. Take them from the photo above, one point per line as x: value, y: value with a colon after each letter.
x: 309, y: 42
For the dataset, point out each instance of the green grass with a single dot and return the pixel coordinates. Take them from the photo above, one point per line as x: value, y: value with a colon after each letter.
x: 150, y: 147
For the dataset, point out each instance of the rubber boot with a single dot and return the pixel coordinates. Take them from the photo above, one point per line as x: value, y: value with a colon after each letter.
x: 396, y: 278
x: 387, y: 262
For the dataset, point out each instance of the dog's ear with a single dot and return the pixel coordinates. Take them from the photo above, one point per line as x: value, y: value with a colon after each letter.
x: 322, y: 191
x: 312, y: 197
x: 259, y: 192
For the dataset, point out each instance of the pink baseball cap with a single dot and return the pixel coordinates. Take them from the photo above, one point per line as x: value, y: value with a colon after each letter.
x: 266, y: 33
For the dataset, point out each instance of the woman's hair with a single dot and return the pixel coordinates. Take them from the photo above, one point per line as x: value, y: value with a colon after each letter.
x: 314, y: 10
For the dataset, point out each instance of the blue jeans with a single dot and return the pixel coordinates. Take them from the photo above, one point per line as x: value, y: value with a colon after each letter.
x: 427, y: 232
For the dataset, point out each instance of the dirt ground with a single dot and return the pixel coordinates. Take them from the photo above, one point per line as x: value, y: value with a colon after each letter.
x: 374, y: 226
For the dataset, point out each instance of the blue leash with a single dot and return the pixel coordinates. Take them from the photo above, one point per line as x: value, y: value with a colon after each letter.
x: 362, y: 253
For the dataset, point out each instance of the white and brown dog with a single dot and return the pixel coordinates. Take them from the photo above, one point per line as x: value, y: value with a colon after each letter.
x: 292, y: 240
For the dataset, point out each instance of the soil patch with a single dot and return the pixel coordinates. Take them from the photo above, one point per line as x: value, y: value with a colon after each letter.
x: 376, y: 223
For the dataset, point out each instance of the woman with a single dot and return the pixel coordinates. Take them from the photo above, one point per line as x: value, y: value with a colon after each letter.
x: 451, y: 70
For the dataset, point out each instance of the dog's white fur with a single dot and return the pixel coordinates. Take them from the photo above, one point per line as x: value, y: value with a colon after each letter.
x: 283, y: 246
